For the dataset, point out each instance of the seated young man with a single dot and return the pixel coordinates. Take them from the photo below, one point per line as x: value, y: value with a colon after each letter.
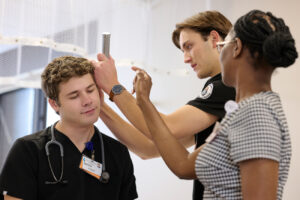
x: 71, y: 159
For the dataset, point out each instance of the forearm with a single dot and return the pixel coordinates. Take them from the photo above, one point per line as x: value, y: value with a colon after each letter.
x: 7, y: 197
x: 127, y: 104
x: 172, y: 151
x: 127, y: 134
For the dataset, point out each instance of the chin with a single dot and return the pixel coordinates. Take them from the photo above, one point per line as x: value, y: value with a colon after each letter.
x: 202, y: 76
x: 90, y: 120
x: 95, y: 119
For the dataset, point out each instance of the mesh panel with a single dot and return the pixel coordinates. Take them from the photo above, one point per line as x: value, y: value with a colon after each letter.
x: 46, y: 29
x: 8, y: 62
x: 34, y: 58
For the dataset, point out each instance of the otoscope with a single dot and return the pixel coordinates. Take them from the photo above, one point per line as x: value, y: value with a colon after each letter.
x: 105, y: 43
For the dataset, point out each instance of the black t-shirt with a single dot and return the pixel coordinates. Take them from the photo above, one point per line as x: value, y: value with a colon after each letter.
x: 26, y: 170
x: 212, y: 99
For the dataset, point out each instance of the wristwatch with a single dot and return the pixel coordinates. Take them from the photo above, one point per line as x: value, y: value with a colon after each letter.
x: 116, y: 90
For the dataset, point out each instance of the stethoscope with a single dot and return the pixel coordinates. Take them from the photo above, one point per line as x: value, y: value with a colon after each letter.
x: 104, y: 177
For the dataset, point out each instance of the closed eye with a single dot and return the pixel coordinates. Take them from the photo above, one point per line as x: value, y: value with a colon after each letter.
x: 74, y: 96
x: 90, y: 90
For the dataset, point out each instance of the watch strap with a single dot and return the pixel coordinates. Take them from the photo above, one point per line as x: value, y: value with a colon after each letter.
x: 111, y: 95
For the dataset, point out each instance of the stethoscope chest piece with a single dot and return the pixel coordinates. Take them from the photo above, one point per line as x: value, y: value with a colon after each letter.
x: 104, y: 177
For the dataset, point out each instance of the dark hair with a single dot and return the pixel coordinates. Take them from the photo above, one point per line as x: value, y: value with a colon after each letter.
x: 61, y: 70
x: 203, y: 23
x: 267, y: 37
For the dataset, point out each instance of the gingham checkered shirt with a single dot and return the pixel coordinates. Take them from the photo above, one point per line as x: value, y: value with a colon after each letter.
x: 256, y: 129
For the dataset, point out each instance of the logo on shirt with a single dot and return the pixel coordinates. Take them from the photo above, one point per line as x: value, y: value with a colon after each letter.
x: 207, y: 91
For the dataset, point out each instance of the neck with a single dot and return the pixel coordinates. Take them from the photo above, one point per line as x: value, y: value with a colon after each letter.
x: 215, y: 73
x: 251, y: 81
x: 79, y: 135
x: 217, y: 70
x: 242, y: 94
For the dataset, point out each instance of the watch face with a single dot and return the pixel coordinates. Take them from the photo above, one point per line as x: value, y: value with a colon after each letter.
x: 117, y: 89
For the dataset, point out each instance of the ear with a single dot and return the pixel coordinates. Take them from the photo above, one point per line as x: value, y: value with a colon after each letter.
x: 54, y: 105
x: 215, y: 37
x: 238, y: 47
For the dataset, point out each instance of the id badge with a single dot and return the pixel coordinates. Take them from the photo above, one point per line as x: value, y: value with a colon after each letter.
x: 91, y: 167
x: 214, y: 133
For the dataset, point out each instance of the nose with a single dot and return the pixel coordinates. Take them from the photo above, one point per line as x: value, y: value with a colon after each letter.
x: 187, y: 57
x: 86, y: 99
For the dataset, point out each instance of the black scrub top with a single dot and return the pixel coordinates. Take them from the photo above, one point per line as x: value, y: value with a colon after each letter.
x: 212, y: 100
x: 26, y: 170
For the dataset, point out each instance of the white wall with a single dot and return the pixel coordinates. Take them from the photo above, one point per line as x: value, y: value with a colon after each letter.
x: 154, y: 180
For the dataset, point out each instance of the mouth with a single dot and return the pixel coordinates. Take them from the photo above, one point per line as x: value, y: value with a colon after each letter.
x: 89, y: 111
x: 193, y: 66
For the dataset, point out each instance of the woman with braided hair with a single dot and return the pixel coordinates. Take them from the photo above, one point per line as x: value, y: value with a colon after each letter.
x: 248, y: 154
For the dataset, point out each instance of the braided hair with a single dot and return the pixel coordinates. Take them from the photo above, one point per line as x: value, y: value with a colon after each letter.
x: 267, y: 37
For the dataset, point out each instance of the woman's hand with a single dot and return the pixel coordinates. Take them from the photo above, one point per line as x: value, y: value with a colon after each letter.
x: 141, y: 85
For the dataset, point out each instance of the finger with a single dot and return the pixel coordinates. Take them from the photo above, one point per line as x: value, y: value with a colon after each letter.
x: 133, y: 85
x: 133, y: 91
x: 109, y: 57
x: 140, y: 74
x: 134, y: 68
x: 143, y: 74
x: 94, y: 63
x: 101, y: 94
x: 113, y: 61
x: 101, y: 57
x: 140, y: 81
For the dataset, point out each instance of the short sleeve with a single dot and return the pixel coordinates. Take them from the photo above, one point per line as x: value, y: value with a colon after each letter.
x: 216, y: 95
x: 128, y: 188
x: 18, y: 176
x: 255, y: 133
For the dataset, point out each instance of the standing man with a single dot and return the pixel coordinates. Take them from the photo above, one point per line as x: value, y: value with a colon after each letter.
x: 71, y: 159
x: 197, y: 37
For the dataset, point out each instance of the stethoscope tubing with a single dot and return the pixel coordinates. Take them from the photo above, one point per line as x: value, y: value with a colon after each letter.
x: 105, y: 175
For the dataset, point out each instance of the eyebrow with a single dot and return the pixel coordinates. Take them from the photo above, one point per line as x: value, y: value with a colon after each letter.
x: 76, y: 91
